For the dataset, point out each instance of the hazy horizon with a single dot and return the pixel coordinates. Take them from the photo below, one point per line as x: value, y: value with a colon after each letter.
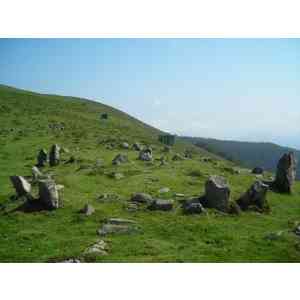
x: 230, y: 89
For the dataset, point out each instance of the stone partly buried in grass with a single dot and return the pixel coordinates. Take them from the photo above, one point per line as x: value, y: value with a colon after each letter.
x: 192, y: 206
x: 160, y: 204
x: 108, y: 197
x: 120, y: 159
x: 118, y: 226
x: 100, y: 248
x: 142, y: 198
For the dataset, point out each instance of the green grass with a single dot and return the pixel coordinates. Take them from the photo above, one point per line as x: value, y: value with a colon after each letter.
x: 164, y: 236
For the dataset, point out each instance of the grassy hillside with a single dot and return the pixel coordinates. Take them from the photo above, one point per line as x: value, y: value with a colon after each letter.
x: 248, y: 154
x: 30, y: 121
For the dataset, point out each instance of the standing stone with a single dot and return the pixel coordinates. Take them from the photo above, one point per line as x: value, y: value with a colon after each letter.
x: 286, y: 173
x: 48, y: 193
x: 21, y: 185
x: 42, y: 158
x: 54, y: 155
x: 217, y: 193
x: 255, y: 196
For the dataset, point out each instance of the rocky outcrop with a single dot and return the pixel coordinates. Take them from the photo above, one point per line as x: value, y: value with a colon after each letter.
x: 285, y: 174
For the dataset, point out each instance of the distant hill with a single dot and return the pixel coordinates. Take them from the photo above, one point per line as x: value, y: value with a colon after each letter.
x: 248, y: 154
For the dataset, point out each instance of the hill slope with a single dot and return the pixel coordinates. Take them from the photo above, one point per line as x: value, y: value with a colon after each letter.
x: 248, y: 154
x: 30, y: 121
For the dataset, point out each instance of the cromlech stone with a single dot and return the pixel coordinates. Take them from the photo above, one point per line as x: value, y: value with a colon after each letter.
x: 36, y: 173
x: 119, y: 159
x: 286, y: 173
x: 137, y: 147
x: 42, y: 158
x: 258, y: 171
x: 21, y: 185
x: 217, y: 193
x: 141, y: 198
x: 255, y: 196
x: 160, y: 204
x: 146, y: 154
x: 48, y: 194
x: 54, y: 155
x: 87, y: 210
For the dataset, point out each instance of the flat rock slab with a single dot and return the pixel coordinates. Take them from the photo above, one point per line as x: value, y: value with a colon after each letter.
x: 164, y: 190
x: 108, y: 197
x: 119, y: 221
x: 116, y: 229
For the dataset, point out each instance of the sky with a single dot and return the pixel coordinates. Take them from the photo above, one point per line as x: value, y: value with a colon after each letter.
x: 236, y: 89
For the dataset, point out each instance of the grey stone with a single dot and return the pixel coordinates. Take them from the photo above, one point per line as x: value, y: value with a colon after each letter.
x: 120, y: 159
x: 297, y: 230
x: 119, y: 221
x: 141, y: 198
x: 217, y: 193
x: 255, y: 195
x: 54, y: 155
x: 71, y: 260
x: 21, y: 185
x: 36, y: 173
x: 164, y: 190
x: 160, y: 204
x: 48, y: 194
x: 99, y: 248
x: 146, y: 154
x: 193, y: 207
x: 137, y: 147
x: 88, y: 210
x: 108, y: 197
x: 274, y: 236
x: 125, y: 145
x: 42, y: 158
x: 286, y: 173
x: 116, y: 229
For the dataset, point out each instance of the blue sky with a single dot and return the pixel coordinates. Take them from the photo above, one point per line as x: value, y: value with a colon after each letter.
x: 243, y: 89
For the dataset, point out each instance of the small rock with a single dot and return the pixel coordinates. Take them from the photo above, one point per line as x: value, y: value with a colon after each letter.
x: 119, y: 221
x: 71, y: 260
x: 258, y: 171
x: 137, y: 147
x: 141, y: 198
x: 87, y: 210
x: 177, y: 157
x: 108, y: 197
x: 274, y: 236
x: 99, y: 248
x: 120, y: 159
x: 116, y: 229
x: 179, y: 195
x: 297, y: 230
x: 193, y: 207
x: 160, y: 204
x: 164, y: 190
x: 125, y: 145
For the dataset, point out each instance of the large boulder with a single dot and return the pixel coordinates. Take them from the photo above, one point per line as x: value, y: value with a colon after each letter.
x: 48, y: 194
x: 120, y: 159
x: 42, y: 158
x: 54, y: 155
x: 254, y: 196
x: 217, y: 193
x: 286, y: 173
x: 21, y: 185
